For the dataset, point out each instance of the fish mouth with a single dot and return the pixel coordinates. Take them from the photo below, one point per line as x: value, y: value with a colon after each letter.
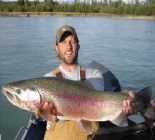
x: 7, y: 94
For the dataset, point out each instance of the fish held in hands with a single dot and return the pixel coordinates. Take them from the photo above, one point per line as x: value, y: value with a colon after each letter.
x: 75, y: 101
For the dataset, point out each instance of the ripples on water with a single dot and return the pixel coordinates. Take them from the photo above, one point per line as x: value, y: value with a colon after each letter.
x: 125, y: 46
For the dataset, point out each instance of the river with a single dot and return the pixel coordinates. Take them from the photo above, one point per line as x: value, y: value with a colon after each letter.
x: 125, y: 46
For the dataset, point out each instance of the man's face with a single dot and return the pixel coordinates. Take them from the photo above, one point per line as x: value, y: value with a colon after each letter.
x: 67, y: 49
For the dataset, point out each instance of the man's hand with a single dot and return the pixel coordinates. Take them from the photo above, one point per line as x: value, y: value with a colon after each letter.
x: 48, y: 112
x: 150, y: 122
x: 129, y: 108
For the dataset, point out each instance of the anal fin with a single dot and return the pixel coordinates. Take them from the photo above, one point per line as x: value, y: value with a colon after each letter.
x: 120, y: 120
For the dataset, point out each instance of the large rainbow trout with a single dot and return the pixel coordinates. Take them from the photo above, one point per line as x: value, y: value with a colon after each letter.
x: 75, y: 101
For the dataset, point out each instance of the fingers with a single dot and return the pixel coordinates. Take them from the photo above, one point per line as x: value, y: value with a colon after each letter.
x: 36, y: 113
x: 50, y: 107
x: 47, y: 111
x: 125, y: 107
x: 132, y: 94
x: 54, y: 119
x: 153, y: 104
x: 129, y: 108
x: 54, y: 112
x: 149, y: 121
x: 45, y: 106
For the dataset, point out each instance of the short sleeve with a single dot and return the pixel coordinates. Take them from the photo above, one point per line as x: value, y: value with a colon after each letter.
x: 95, y: 77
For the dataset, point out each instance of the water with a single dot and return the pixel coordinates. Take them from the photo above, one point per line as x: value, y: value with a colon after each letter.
x: 125, y: 46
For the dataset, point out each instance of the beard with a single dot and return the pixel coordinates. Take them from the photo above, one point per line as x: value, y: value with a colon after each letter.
x: 69, y: 61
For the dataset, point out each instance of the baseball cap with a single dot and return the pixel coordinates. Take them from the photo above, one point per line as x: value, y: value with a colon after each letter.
x: 64, y: 29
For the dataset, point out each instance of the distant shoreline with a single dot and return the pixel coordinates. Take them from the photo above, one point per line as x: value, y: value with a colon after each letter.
x: 28, y: 14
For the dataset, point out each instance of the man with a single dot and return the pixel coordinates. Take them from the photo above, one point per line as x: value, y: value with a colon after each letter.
x: 67, y: 48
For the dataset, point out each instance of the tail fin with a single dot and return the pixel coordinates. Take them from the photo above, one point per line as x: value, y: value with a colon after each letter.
x: 143, y: 104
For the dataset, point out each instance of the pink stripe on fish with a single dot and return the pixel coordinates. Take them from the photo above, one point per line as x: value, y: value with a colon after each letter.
x: 82, y: 106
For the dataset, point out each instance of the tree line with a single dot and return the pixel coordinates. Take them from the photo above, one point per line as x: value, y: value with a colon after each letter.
x: 118, y: 7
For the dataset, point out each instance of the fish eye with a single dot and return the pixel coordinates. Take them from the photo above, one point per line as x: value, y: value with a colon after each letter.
x: 18, y: 91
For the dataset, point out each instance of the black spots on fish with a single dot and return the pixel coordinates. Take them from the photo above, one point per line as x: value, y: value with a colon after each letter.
x: 39, y: 83
x: 125, y: 91
x: 36, y: 82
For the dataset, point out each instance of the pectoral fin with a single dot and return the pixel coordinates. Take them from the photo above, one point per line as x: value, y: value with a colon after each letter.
x: 85, y: 125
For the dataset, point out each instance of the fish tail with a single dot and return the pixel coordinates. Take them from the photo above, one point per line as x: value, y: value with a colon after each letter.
x: 143, y: 103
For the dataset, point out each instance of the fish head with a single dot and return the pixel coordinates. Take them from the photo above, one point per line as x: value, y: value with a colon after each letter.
x: 22, y: 94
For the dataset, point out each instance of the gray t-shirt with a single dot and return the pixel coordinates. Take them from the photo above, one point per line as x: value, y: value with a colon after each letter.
x: 94, y: 76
